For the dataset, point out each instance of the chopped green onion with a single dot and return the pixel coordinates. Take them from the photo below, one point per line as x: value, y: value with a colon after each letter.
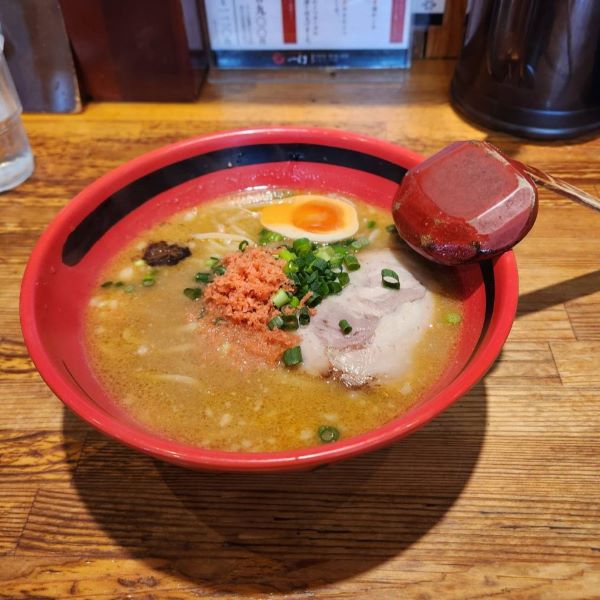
x: 280, y: 298
x: 453, y: 318
x: 321, y: 288
x: 219, y: 270
x: 328, y: 434
x: 106, y: 284
x: 391, y: 228
x: 266, y: 236
x: 203, y: 277
x: 319, y: 264
x: 243, y: 245
x: 212, y: 262
x: 343, y: 278
x: 291, y: 267
x: 292, y: 356
x: 336, y: 262
x: 302, y: 246
x: 314, y: 300
x: 325, y: 253
x: 303, y: 316
x: 148, y: 281
x: 351, y: 262
x: 307, y: 260
x: 275, y: 323
x: 129, y: 288
x: 285, y: 254
x: 290, y: 322
x: 360, y: 243
x: 318, y: 270
x: 335, y: 287
x: 118, y: 284
x: 371, y: 224
x: 390, y: 279
x: 345, y: 326
x: 192, y: 293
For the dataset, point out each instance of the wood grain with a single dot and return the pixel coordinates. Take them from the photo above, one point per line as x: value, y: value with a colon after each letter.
x: 445, y: 40
x: 498, y: 497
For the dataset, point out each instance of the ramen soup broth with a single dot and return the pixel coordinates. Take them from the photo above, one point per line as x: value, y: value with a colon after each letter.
x: 186, y: 374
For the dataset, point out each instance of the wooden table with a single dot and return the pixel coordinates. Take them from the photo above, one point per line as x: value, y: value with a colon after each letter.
x: 498, y: 497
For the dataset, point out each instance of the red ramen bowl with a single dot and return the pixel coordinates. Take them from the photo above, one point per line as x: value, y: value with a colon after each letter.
x: 66, y: 263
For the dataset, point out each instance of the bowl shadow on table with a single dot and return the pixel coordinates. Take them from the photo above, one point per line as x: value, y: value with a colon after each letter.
x: 274, y: 533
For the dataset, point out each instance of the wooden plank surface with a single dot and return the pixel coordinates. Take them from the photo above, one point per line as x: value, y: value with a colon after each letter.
x: 445, y: 40
x: 498, y: 497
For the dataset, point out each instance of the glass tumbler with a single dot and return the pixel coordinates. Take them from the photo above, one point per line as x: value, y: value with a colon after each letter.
x: 16, y: 159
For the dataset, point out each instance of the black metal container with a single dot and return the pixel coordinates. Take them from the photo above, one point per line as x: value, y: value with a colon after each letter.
x: 531, y: 67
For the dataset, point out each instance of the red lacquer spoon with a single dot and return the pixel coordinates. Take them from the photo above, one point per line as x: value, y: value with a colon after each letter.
x: 470, y: 202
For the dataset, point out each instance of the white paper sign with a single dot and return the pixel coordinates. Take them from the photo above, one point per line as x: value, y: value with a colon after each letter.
x: 308, y: 24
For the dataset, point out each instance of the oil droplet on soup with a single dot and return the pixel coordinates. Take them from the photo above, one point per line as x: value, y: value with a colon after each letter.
x: 143, y: 336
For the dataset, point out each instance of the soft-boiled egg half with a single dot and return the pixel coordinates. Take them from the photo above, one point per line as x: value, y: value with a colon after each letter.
x: 318, y: 218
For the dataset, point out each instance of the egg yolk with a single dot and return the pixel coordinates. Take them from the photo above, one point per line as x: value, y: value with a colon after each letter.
x: 317, y: 217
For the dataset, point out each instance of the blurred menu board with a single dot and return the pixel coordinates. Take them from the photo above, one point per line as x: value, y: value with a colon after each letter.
x: 309, y: 33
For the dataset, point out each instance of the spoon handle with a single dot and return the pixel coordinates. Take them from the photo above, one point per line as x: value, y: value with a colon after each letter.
x: 562, y: 187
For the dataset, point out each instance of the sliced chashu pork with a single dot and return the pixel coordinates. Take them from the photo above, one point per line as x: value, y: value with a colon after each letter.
x: 386, y: 323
